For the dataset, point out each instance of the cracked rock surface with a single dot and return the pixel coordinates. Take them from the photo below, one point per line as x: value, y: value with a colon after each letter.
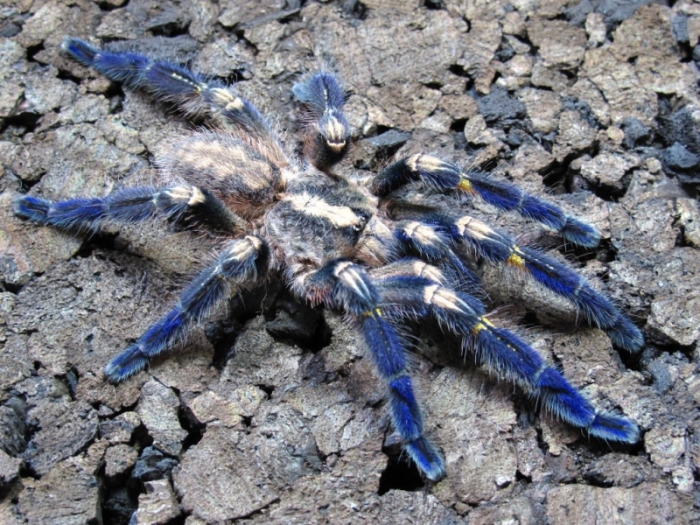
x: 271, y: 411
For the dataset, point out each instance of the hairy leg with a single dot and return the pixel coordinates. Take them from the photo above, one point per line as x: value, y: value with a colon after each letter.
x: 241, y: 262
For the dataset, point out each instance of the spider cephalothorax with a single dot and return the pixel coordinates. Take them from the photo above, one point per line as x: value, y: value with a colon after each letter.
x: 359, y: 246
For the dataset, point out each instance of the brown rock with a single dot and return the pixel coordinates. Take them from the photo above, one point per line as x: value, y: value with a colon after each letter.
x: 609, y: 505
x: 561, y: 45
x: 66, y: 494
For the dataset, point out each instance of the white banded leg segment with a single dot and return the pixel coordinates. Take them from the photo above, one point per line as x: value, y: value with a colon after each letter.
x: 428, y: 243
x: 127, y: 206
x: 241, y: 262
x: 409, y: 267
x: 446, y: 177
x: 416, y: 297
x: 501, y: 352
x: 348, y: 286
x: 202, y: 206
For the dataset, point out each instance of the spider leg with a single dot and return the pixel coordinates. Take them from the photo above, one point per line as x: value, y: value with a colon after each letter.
x: 425, y: 241
x: 130, y: 205
x: 498, y: 248
x: 328, y: 132
x: 444, y: 177
x: 189, y: 91
x: 559, y: 278
x: 344, y: 284
x: 410, y: 296
x: 241, y: 261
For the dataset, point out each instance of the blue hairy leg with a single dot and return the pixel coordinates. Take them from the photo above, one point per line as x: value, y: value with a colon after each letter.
x: 346, y: 285
x: 502, y: 352
x: 494, y: 246
x: 444, y: 176
x: 423, y: 240
x: 240, y: 262
x: 129, y: 205
x: 190, y: 91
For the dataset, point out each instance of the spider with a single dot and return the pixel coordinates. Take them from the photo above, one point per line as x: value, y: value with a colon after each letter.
x: 384, y: 256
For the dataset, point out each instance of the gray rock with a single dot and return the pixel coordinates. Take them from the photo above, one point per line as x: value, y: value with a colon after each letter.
x: 9, y: 469
x: 152, y: 465
x: 158, y: 410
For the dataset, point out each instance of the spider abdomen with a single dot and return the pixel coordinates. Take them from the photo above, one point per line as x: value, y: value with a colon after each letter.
x: 242, y: 177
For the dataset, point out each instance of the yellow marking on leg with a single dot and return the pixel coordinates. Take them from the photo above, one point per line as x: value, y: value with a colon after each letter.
x: 483, y: 324
x: 516, y: 258
x: 465, y: 186
x: 198, y: 87
x: 377, y: 312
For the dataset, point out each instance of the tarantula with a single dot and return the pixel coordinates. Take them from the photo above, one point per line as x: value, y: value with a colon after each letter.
x: 359, y: 246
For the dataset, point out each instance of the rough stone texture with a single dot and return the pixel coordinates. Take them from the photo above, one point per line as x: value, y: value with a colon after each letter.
x: 68, y: 493
x: 158, y: 408
x: 268, y: 413
x: 9, y: 468
x: 158, y: 506
x: 119, y: 459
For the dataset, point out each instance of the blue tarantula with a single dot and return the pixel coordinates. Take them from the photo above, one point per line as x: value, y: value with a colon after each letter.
x: 361, y: 247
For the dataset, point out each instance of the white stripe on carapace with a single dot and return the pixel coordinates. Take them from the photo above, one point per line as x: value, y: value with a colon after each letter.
x: 338, y: 216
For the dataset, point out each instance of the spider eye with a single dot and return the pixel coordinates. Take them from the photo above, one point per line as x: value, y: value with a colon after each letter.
x: 361, y: 223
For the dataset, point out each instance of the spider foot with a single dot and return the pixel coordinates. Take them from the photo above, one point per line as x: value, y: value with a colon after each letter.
x: 74, y: 214
x: 427, y: 458
x: 506, y: 354
x: 625, y: 334
x: 130, y: 362
x: 32, y: 208
x: 614, y: 428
